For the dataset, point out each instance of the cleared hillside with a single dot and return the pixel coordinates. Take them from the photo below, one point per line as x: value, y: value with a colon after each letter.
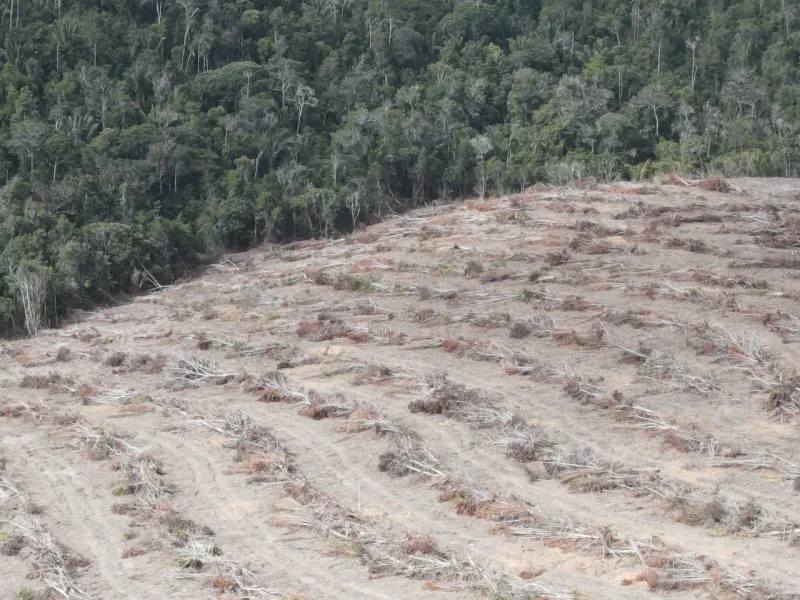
x: 563, y: 393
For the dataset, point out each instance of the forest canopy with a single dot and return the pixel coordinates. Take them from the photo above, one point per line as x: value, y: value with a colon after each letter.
x: 140, y: 138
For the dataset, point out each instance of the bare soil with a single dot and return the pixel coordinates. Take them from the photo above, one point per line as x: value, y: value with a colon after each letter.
x: 564, y: 393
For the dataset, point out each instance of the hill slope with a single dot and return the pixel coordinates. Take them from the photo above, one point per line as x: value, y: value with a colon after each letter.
x: 566, y: 392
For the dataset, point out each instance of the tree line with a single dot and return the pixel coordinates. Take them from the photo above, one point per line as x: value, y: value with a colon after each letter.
x: 140, y: 138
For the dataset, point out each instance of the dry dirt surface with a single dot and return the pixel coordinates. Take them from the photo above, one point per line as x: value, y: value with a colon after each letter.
x: 567, y: 393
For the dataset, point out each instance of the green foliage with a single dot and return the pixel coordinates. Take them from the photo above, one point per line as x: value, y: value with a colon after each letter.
x: 525, y: 295
x: 354, y: 283
x: 139, y: 140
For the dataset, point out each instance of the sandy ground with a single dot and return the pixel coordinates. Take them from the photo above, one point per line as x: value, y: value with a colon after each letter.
x: 623, y: 362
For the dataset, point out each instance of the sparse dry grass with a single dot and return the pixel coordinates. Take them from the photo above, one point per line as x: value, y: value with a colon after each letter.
x: 192, y: 371
x: 52, y: 562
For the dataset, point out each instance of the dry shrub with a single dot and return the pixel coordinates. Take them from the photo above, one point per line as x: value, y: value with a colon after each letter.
x: 392, y: 463
x: 638, y: 356
x: 676, y: 441
x: 320, y: 331
x: 535, y: 472
x: 147, y: 363
x: 730, y: 281
x: 42, y: 382
x: 115, y: 359
x: 424, y: 316
x: 366, y: 308
x: 783, y: 395
x: 539, y: 326
x: 224, y: 584
x: 596, y: 248
x: 410, y: 457
x: 180, y: 527
x: 598, y: 229
x: 358, y: 337
x: 518, y: 201
x: 524, y: 443
x: 12, y: 546
x: 595, y: 338
x: 420, y: 544
x: 747, y: 517
x: 635, y: 190
x: 78, y: 561
x: 306, y: 328
x: 560, y: 207
x: 785, y: 235
x: 271, y: 395
x: 85, y: 392
x: 469, y: 405
x: 675, y: 179
x: 17, y: 410
x: 621, y: 316
x: 431, y: 406
x: 613, y: 399
x: 263, y: 466
x: 451, y: 345
x: 658, y: 579
x: 703, y: 514
x: 192, y: 371
x: 131, y: 551
x: 574, y: 304
x: 11, y: 411
x: 367, y: 417
x: 497, y: 275
x: 558, y: 257
x: 665, y: 571
x: 698, y: 246
x: 585, y: 392
x: 85, y: 335
x: 473, y: 269
x: 124, y: 509
x: 519, y: 330
x: 482, y: 205
x: 715, y: 184
x: 473, y: 502
x: 595, y: 480
x: 528, y: 574
x: 63, y: 354
x: 302, y: 493
x: 537, y: 274
x: 490, y: 321
x: 325, y: 409
x: 204, y: 342
x: 678, y: 219
x: 642, y: 210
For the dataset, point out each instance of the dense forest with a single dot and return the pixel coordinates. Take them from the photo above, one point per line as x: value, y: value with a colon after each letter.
x: 140, y: 138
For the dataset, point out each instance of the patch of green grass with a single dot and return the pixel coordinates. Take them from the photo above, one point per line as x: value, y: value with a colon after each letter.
x: 446, y: 269
x: 359, y: 283
x: 25, y: 593
x: 207, y: 311
x: 525, y: 295
x: 124, y: 490
x: 323, y: 278
x: 190, y: 563
x: 140, y: 398
x: 180, y: 313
